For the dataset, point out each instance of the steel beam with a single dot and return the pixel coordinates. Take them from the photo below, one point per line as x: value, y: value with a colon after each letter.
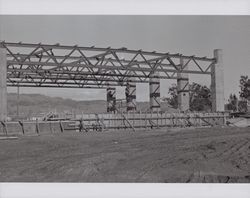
x: 93, y: 48
x: 53, y: 65
x: 142, y: 78
x: 58, y: 86
x: 79, y: 65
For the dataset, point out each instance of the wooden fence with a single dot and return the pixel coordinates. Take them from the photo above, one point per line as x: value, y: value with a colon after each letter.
x: 102, y: 122
x: 149, y: 120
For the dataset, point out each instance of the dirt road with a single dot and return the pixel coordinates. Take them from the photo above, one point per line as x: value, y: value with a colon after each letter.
x: 186, y: 155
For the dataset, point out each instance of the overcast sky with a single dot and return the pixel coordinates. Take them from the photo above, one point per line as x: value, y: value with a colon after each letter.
x: 189, y: 35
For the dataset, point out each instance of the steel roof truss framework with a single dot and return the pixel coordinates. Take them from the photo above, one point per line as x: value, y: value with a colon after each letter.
x: 42, y: 65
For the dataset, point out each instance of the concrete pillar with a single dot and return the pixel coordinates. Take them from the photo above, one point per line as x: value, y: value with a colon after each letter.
x: 111, y: 99
x: 217, y: 82
x: 3, y: 86
x: 154, y: 92
x: 183, y: 87
x: 130, y: 93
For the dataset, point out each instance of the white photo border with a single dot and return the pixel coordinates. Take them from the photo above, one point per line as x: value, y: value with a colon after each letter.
x: 123, y: 7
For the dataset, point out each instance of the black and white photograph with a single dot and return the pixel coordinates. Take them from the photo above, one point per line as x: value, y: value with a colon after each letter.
x: 125, y: 99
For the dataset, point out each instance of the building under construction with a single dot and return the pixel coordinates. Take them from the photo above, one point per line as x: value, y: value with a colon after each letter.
x: 61, y: 66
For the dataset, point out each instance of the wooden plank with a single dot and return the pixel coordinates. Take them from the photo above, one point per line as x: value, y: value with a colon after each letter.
x: 8, y: 137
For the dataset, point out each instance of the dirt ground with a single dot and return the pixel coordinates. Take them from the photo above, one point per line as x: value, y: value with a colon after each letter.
x: 176, y: 155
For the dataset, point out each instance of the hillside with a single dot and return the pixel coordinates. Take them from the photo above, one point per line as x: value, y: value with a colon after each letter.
x: 35, y: 104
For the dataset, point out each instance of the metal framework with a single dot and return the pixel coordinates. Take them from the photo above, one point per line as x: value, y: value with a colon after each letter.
x: 44, y: 65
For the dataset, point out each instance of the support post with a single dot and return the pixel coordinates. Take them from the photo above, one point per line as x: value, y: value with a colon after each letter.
x: 130, y: 93
x: 154, y: 92
x: 217, y: 82
x: 183, y: 87
x: 17, y: 107
x: 111, y: 99
x: 3, y: 85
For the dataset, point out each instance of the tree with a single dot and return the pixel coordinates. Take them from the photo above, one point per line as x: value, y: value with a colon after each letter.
x: 232, y: 102
x: 173, y: 99
x: 200, y: 97
x: 245, y: 87
x: 244, y: 93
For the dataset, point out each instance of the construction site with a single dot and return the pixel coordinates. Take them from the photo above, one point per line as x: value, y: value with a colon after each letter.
x: 123, y: 144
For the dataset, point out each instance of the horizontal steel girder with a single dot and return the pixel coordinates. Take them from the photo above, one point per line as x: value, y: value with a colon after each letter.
x: 67, y: 66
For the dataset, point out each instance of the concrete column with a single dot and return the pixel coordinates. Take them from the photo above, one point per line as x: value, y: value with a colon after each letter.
x: 217, y: 82
x: 3, y: 86
x: 154, y: 92
x: 130, y: 93
x: 183, y: 87
x: 111, y: 99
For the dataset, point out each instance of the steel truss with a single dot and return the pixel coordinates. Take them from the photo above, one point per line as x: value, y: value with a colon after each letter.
x: 43, y: 65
